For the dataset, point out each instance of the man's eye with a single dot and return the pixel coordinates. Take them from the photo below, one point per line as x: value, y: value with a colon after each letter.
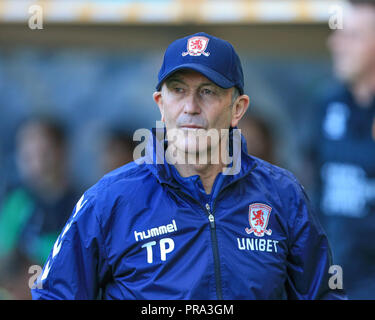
x: 207, y: 91
x: 178, y: 89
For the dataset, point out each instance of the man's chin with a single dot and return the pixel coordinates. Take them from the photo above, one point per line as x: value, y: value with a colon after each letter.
x: 192, y: 147
x: 345, y: 74
x: 187, y: 152
x: 194, y: 132
x: 189, y: 140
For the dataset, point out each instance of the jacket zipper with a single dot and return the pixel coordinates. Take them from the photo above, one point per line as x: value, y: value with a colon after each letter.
x: 215, y: 249
x: 211, y: 219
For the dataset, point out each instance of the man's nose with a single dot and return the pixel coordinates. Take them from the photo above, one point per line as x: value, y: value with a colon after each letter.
x: 191, y: 105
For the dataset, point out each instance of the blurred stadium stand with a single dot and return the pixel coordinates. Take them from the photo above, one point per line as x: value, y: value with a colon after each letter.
x: 94, y: 64
x: 172, y: 11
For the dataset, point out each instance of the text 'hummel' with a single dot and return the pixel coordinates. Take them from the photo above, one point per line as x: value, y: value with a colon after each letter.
x: 172, y: 227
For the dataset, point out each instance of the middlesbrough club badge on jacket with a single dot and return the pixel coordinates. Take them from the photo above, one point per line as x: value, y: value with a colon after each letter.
x: 259, y: 215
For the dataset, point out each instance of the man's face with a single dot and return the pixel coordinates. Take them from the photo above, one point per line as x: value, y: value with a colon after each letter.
x: 188, y: 101
x: 38, y: 156
x: 353, y: 47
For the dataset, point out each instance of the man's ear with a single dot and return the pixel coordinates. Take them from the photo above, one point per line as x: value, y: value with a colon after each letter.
x: 158, y: 98
x: 239, y: 109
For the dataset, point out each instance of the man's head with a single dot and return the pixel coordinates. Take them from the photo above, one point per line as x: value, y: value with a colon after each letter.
x: 200, y: 87
x: 118, y: 149
x: 41, y: 152
x: 353, y: 47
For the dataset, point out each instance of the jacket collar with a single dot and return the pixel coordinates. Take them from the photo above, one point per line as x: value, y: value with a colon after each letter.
x: 241, y: 165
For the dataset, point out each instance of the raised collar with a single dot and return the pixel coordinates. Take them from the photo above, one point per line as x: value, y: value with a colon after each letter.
x: 166, y: 173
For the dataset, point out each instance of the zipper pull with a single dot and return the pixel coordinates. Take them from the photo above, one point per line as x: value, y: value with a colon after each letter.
x: 211, y: 218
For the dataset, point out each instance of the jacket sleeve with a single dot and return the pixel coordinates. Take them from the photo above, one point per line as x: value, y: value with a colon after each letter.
x: 76, y: 265
x: 309, y: 258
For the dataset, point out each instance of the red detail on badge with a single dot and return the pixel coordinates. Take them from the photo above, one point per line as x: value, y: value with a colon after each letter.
x: 259, y: 215
x: 197, y: 46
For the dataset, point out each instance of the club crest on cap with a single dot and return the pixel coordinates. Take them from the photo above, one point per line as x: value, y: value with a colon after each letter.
x: 196, y: 46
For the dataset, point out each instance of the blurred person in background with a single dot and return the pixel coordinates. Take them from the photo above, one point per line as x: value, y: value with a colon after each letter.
x: 34, y: 208
x: 118, y: 149
x: 345, y: 151
x: 257, y: 133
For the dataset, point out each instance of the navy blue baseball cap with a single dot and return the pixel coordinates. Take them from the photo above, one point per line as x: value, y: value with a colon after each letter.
x: 213, y: 57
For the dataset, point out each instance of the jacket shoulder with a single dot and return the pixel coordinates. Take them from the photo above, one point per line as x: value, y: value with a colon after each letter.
x: 123, y: 183
x: 279, y: 176
x: 281, y: 184
x: 129, y: 173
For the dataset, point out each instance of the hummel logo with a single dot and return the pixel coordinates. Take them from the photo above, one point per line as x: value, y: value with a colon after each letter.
x: 172, y: 227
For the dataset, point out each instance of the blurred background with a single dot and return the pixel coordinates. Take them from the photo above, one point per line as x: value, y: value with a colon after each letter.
x: 73, y: 92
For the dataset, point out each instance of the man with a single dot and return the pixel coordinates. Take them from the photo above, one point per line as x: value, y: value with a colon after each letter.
x: 37, y: 205
x: 193, y: 229
x: 117, y: 151
x: 259, y: 137
x: 346, y: 151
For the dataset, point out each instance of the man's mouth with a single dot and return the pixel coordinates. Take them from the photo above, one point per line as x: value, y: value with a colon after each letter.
x: 191, y: 126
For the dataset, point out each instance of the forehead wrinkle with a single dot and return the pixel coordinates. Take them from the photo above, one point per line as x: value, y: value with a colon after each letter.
x: 179, y: 76
x: 183, y: 74
x: 208, y: 84
x: 199, y: 85
x: 174, y: 78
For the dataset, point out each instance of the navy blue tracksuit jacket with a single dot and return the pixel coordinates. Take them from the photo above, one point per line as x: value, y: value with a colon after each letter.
x: 145, y: 232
